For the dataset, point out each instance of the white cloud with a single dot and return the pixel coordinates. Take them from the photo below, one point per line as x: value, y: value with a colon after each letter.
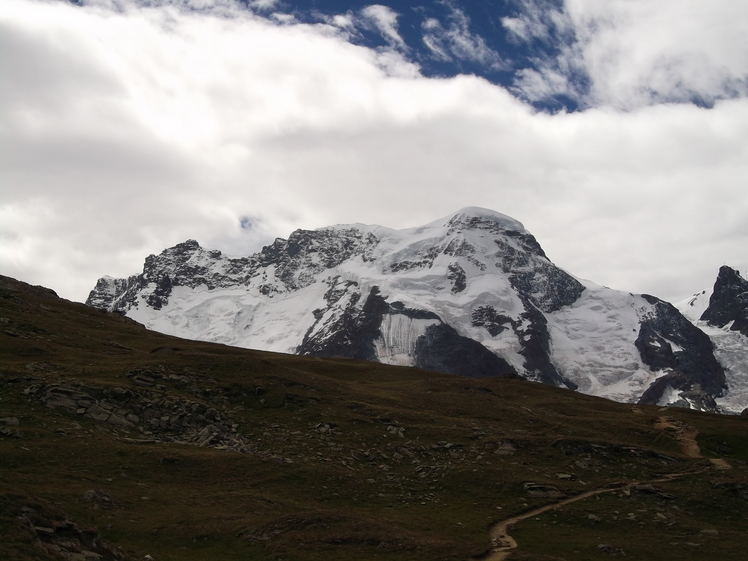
x: 385, y: 20
x: 343, y: 21
x: 637, y: 52
x: 456, y: 40
x: 128, y: 131
x: 263, y: 4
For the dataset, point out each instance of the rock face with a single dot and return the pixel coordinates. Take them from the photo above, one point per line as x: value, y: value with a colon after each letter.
x: 668, y: 342
x: 728, y: 302
x: 722, y: 313
x: 471, y: 294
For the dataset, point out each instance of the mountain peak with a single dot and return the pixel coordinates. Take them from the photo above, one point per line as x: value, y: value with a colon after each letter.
x: 477, y: 217
x: 729, y: 301
x: 472, y: 294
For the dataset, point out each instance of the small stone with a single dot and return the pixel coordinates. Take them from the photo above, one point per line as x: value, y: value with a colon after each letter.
x: 144, y: 381
x: 11, y: 433
x: 710, y: 532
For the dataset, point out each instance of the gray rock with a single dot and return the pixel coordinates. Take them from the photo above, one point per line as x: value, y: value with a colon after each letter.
x: 96, y: 413
x: 11, y: 433
x: 117, y: 420
x: 537, y: 490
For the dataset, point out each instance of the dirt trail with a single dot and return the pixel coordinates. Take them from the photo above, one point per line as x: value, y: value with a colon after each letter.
x: 684, y: 434
x: 686, y: 437
x: 502, y: 544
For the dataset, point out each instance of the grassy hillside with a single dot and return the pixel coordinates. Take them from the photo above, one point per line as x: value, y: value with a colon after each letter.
x: 117, y: 442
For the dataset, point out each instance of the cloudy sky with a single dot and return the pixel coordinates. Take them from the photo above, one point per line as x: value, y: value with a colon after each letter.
x: 616, y: 131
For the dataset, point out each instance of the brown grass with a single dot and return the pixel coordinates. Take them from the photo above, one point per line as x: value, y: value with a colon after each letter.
x: 359, y: 491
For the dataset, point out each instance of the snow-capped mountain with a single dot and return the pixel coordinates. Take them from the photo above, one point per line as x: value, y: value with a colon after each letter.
x: 470, y: 294
x: 722, y: 313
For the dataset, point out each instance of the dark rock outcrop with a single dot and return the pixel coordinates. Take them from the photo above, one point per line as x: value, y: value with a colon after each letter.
x: 493, y: 321
x: 534, y: 277
x: 445, y: 350
x: 729, y: 301
x: 536, y: 348
x: 668, y: 341
x: 353, y: 332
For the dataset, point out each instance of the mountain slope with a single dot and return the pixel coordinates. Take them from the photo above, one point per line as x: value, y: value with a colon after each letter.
x: 470, y: 294
x: 117, y: 442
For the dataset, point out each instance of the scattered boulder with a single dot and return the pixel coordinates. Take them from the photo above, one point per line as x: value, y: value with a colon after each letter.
x: 506, y: 449
x: 537, y: 490
x: 53, y: 532
x: 652, y: 490
x: 168, y: 418
x: 98, y: 499
x: 610, y: 549
x: 10, y: 433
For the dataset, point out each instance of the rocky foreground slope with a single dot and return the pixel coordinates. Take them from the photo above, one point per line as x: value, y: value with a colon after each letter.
x: 118, y: 443
x: 470, y: 294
